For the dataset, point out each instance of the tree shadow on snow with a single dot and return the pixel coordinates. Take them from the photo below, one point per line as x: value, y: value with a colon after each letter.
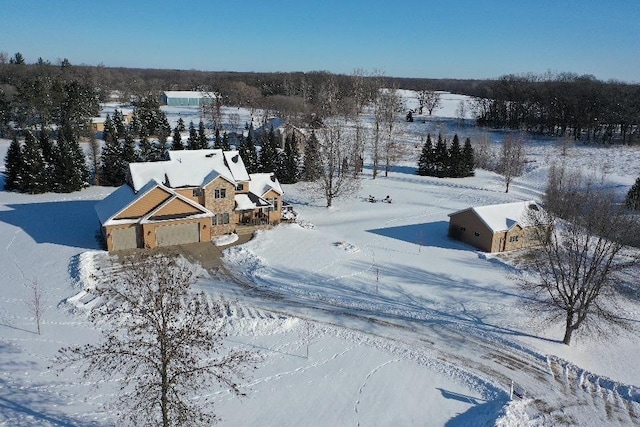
x: 70, y: 223
x: 480, y: 414
x: 427, y: 234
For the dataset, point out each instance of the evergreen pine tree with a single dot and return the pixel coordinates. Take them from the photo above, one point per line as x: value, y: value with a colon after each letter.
x: 202, y: 137
x: 633, y: 196
x: 71, y: 173
x: 468, y: 160
x: 33, y: 172
x: 248, y: 152
x: 177, y: 140
x: 135, y: 127
x: 146, y: 153
x: 268, y: 153
x: 217, y: 143
x: 118, y: 123
x: 164, y: 130
x: 112, y: 165
x: 180, y: 126
x: 109, y: 133
x: 13, y: 166
x: 425, y: 162
x: 49, y: 153
x: 161, y: 151
x: 192, y: 141
x: 292, y: 158
x: 129, y: 152
x: 440, y: 158
x: 455, y: 166
x: 311, y: 165
x: 225, y: 142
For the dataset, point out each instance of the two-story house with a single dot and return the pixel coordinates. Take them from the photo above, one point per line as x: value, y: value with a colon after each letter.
x: 192, y: 197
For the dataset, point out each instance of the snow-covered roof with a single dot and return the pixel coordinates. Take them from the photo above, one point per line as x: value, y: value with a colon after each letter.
x: 189, y: 94
x: 236, y: 165
x: 503, y: 217
x: 186, y: 168
x: 249, y: 201
x: 261, y: 183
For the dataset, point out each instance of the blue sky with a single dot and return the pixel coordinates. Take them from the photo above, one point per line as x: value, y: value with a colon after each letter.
x: 423, y: 38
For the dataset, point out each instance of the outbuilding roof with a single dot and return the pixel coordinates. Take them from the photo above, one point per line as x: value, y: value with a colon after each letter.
x: 505, y: 216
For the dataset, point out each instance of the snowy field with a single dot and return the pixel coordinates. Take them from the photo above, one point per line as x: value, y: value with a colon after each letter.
x: 366, y: 314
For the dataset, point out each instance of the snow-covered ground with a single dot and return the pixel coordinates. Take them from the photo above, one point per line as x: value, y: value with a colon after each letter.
x: 366, y: 315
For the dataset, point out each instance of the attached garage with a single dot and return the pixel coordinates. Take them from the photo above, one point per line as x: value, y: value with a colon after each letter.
x: 126, y: 238
x: 178, y: 234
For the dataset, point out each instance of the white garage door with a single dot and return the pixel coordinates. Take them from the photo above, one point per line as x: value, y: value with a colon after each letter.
x: 178, y: 234
x: 125, y: 238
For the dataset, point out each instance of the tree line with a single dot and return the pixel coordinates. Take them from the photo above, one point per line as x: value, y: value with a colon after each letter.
x: 566, y: 104
x: 442, y: 161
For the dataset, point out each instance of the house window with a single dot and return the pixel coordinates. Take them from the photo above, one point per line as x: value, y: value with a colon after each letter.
x: 274, y: 204
x: 240, y: 187
x: 214, y: 220
x: 222, y: 218
x: 513, y: 239
x: 220, y: 193
x: 477, y: 234
x: 197, y: 192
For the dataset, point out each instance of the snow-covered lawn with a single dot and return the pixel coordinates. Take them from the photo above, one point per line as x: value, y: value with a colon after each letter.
x: 368, y: 314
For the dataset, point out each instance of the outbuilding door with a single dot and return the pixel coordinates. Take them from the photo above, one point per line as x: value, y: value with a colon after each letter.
x: 125, y: 238
x: 177, y: 234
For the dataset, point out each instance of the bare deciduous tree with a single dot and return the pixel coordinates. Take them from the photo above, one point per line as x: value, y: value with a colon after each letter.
x: 335, y: 146
x: 583, y: 232
x: 429, y: 99
x: 512, y: 159
x: 36, y: 302
x: 165, y: 341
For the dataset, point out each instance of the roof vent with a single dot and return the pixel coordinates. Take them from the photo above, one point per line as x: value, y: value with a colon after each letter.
x: 209, y: 155
x: 234, y: 159
x: 533, y: 207
x: 272, y: 177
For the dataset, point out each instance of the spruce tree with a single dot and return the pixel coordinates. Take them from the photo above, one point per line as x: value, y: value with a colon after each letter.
x: 292, y: 158
x: 455, y: 168
x: 177, y: 140
x: 109, y: 133
x: 440, y: 158
x: 112, y: 165
x: 129, y: 152
x: 118, y: 123
x: 225, y: 142
x: 217, y: 143
x: 180, y: 126
x: 13, y: 166
x: 202, y: 137
x: 49, y: 154
x: 164, y: 130
x: 192, y: 141
x: 312, y: 164
x: 248, y: 152
x: 146, y: 153
x: 71, y: 173
x: 468, y: 160
x: 425, y: 162
x: 33, y: 178
x: 633, y: 196
x: 268, y: 153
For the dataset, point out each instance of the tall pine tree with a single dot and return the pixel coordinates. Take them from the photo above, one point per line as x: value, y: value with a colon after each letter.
x: 633, y: 196
x: 440, y: 158
x: 268, y: 153
x: 468, y: 159
x: 192, y: 141
x: 13, y: 166
x: 455, y: 168
x: 248, y: 152
x: 177, y: 140
x: 33, y: 179
x: 312, y: 164
x: 425, y: 162
x: 202, y: 137
x: 112, y: 165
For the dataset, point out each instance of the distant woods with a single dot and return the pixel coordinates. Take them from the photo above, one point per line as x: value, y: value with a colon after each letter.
x: 564, y: 104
